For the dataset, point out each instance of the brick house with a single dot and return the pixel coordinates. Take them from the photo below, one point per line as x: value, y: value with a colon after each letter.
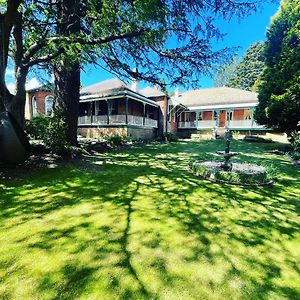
x: 112, y: 106
x: 39, y: 101
x: 213, y: 108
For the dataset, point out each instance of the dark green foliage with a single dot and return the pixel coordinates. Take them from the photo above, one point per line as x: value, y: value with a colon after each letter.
x: 296, y: 147
x: 55, y: 135
x: 37, y: 126
x: 243, y: 73
x: 116, y: 140
x: 279, y: 89
x: 170, y: 137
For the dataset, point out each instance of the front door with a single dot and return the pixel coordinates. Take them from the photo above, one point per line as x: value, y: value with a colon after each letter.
x: 222, y: 118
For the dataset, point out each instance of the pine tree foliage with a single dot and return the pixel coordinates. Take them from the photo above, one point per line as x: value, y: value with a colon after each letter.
x: 243, y: 73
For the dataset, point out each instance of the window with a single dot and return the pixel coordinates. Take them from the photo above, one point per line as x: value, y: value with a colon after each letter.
x: 34, y: 106
x: 49, y: 102
x: 113, y: 107
x: 231, y: 116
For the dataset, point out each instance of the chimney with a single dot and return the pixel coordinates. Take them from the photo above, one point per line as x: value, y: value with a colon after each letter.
x: 135, y: 82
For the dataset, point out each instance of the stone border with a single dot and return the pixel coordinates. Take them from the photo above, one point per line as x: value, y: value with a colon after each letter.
x: 266, y: 184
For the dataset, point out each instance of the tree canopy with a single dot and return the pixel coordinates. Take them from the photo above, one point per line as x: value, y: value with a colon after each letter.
x: 279, y: 89
x: 167, y: 39
x: 243, y: 73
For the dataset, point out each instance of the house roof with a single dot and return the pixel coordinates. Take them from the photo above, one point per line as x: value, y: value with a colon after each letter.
x: 105, y: 86
x: 217, y: 97
x: 150, y: 91
x: 112, y: 88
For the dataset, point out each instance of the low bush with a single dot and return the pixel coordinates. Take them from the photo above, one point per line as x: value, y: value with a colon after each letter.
x: 170, y: 137
x: 116, y: 140
x: 55, y: 135
x: 37, y: 126
x: 235, y: 135
x: 295, y: 152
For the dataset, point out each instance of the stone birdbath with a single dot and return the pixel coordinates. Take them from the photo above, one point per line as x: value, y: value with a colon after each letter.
x: 227, y: 165
x: 233, y: 173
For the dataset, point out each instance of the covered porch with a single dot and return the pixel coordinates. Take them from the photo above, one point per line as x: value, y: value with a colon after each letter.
x: 118, y: 111
x: 233, y: 118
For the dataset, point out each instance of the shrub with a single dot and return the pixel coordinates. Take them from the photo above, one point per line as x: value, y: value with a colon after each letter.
x: 116, y: 140
x: 170, y: 137
x: 55, y: 135
x: 235, y: 135
x: 295, y: 153
x: 37, y: 126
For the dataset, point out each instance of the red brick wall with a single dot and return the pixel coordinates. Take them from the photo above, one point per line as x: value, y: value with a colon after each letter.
x: 40, y: 100
x: 207, y: 115
x: 238, y: 114
x: 121, y: 106
x: 135, y: 108
x: 163, y: 103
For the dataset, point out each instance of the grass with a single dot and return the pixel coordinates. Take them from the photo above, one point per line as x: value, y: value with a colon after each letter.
x: 136, y: 224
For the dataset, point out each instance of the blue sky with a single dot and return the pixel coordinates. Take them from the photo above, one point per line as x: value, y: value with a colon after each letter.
x: 243, y: 34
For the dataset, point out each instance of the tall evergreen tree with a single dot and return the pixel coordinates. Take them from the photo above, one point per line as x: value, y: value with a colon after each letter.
x: 243, y: 73
x: 279, y: 90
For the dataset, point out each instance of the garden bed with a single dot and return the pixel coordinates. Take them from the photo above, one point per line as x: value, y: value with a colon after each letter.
x: 240, y: 173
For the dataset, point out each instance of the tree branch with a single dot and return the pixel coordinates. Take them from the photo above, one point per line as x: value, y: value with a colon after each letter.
x: 43, y: 59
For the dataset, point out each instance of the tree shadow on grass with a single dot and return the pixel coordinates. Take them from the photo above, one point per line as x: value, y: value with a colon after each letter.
x: 235, y: 220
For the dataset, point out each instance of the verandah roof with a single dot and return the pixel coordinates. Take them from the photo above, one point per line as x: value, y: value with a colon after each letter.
x: 220, y: 97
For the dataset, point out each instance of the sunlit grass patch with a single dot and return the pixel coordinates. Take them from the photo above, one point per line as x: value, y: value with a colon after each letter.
x: 143, y: 227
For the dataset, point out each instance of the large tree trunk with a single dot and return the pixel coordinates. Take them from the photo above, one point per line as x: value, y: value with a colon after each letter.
x: 9, y: 20
x: 16, y: 106
x: 67, y: 98
x: 67, y: 75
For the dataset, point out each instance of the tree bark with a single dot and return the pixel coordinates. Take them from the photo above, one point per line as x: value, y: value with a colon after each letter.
x: 9, y: 20
x: 67, y: 98
x: 67, y: 76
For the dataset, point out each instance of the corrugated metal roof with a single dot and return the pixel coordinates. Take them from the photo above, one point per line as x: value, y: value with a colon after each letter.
x: 216, y: 96
x: 150, y: 91
x: 109, y: 89
x: 104, y: 86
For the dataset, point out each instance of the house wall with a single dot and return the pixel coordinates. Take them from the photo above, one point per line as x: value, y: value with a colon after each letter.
x: 135, y: 108
x: 28, y: 113
x: 162, y: 114
x: 207, y: 115
x: 136, y: 133
x: 100, y: 132
x: 40, y: 101
x: 238, y: 114
x: 141, y: 133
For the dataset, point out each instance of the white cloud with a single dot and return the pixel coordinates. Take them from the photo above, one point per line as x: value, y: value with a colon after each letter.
x: 32, y: 83
x: 11, y: 87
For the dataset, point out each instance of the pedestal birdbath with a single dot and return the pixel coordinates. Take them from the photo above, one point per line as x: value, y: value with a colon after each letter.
x: 227, y: 165
x: 227, y: 172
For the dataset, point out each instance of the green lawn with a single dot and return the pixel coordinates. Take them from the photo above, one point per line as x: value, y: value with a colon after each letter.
x: 135, y: 224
